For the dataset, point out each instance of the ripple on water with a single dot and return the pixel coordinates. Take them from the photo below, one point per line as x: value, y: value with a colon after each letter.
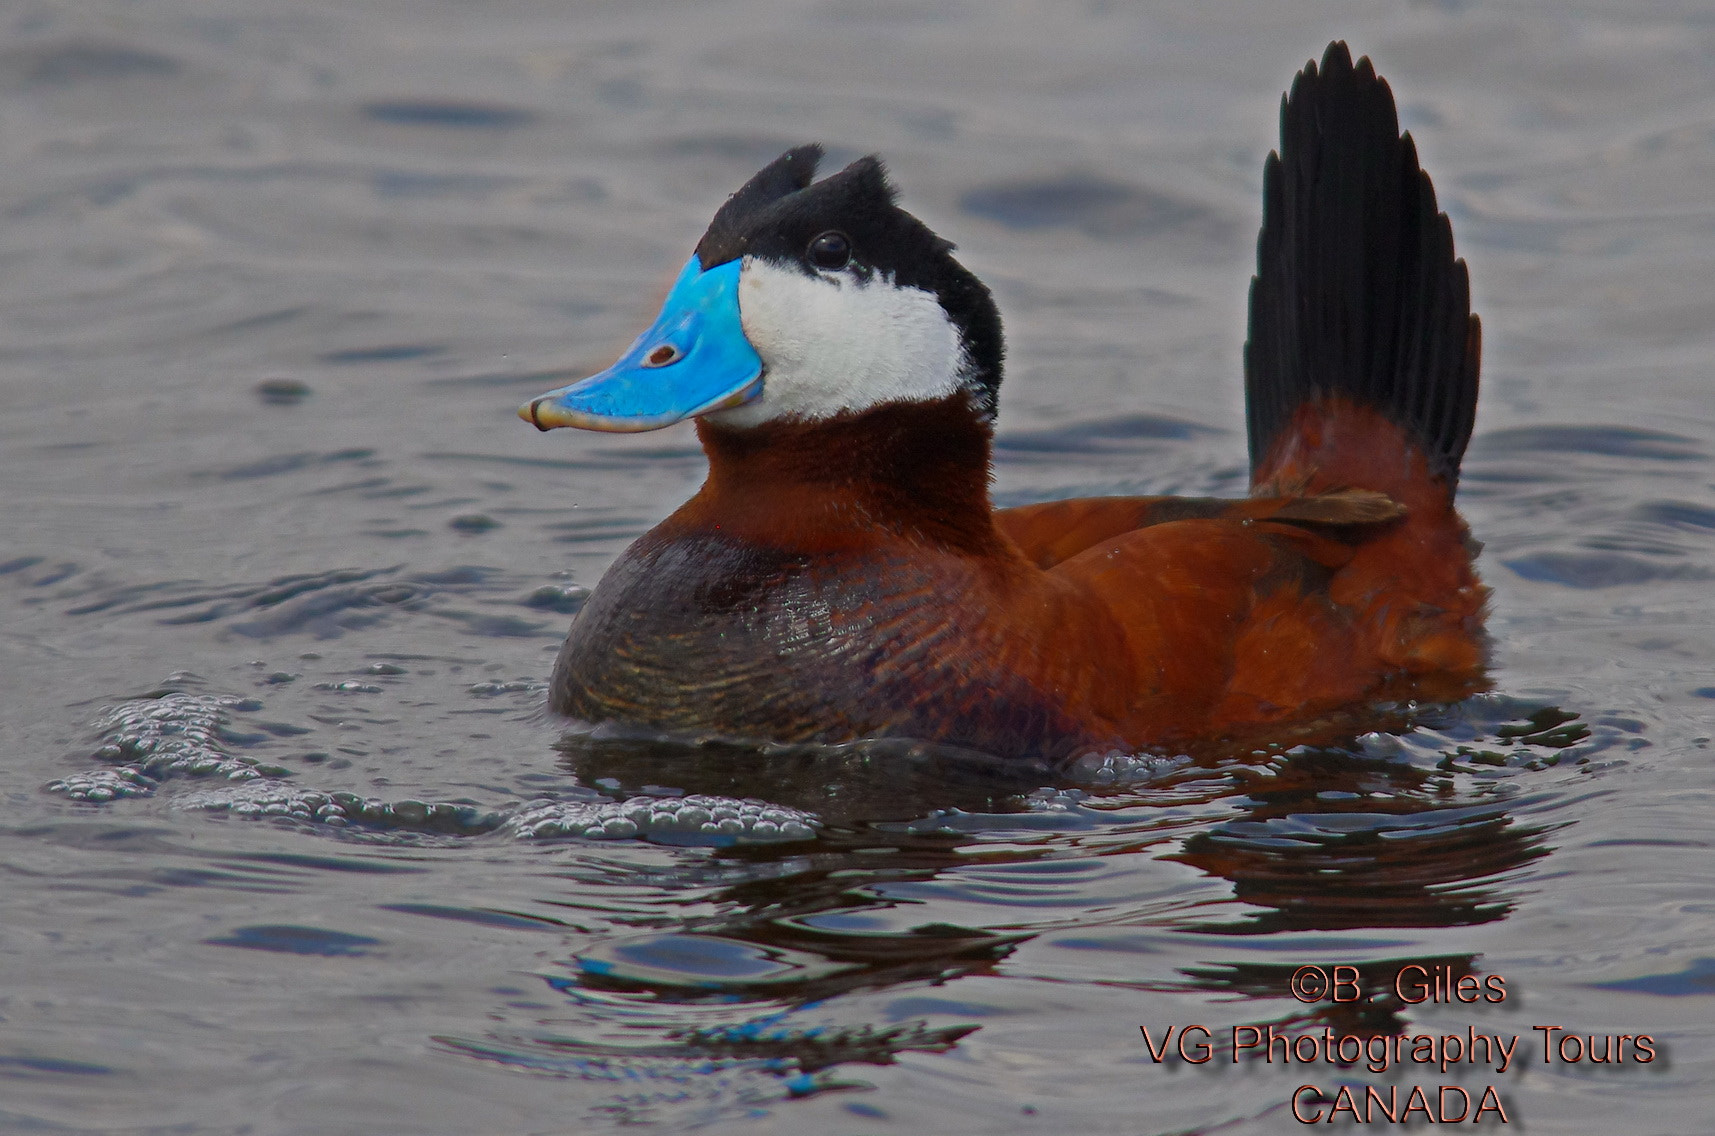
x: 327, y: 604
x: 283, y: 939
x: 448, y: 114
x: 1602, y: 569
x: 762, y: 999
x: 673, y: 1022
x: 149, y: 741
x: 1098, y: 206
x: 67, y: 63
x: 1409, y: 829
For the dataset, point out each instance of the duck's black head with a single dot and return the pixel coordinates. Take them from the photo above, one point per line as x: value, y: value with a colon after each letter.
x: 804, y: 300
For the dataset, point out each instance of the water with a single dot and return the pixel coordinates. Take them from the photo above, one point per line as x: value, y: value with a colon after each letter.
x: 288, y: 845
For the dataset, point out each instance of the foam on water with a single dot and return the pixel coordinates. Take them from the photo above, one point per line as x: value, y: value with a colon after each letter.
x: 151, y: 740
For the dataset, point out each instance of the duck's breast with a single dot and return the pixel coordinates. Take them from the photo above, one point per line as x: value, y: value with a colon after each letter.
x: 705, y: 633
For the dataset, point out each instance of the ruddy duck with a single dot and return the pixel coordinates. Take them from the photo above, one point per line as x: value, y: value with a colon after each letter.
x: 842, y: 574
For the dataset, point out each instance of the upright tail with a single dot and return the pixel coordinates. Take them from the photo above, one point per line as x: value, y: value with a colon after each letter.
x: 1361, y: 367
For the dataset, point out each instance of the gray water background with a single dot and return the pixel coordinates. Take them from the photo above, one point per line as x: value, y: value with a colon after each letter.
x: 273, y: 278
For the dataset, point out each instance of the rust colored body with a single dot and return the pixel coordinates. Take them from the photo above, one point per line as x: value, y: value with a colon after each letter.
x: 849, y: 579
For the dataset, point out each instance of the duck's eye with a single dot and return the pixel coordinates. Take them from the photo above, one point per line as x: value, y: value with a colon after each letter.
x: 833, y: 249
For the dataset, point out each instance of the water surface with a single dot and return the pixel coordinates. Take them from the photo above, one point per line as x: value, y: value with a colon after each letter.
x: 289, y: 846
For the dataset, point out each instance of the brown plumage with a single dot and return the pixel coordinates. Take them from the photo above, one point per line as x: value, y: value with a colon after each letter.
x: 805, y: 594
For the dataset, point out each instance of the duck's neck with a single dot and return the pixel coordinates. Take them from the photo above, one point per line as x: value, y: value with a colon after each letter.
x: 918, y: 471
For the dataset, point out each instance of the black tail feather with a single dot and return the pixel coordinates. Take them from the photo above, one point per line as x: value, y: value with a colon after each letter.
x: 1357, y: 292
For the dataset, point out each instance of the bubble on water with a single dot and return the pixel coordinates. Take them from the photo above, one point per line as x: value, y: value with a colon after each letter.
x: 146, y: 741
x: 177, y: 735
x: 517, y: 686
x: 1124, y: 768
x: 697, y: 819
x: 1050, y: 799
x: 264, y: 800
x: 98, y: 786
x: 256, y: 800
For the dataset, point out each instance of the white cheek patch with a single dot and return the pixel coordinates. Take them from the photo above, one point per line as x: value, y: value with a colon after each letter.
x: 831, y: 344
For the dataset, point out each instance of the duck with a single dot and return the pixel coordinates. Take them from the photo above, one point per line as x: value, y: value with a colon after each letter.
x: 843, y: 575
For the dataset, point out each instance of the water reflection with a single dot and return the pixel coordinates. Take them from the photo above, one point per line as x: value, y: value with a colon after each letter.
x: 848, y: 786
x: 755, y: 992
x: 790, y: 961
x: 718, y: 973
x: 1362, y: 844
x: 1369, y: 1001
